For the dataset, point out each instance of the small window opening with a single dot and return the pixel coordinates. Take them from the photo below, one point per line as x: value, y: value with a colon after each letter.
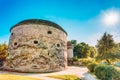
x: 35, y: 42
x: 11, y: 33
x: 15, y: 43
x: 49, y: 32
x: 58, y: 45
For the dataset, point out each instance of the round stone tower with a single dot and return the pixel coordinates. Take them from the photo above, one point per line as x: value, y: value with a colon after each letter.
x: 37, y: 46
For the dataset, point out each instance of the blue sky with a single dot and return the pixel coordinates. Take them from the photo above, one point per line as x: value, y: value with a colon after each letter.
x: 82, y: 19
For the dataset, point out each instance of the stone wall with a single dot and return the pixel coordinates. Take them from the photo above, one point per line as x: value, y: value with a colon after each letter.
x: 36, y: 48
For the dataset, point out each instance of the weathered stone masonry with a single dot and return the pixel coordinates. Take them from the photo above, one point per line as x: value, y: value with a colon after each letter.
x: 37, y: 46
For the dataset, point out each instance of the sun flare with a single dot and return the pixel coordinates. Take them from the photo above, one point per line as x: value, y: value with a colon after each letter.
x: 111, y: 18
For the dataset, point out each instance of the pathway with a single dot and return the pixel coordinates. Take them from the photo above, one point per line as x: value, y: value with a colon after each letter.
x: 73, y: 70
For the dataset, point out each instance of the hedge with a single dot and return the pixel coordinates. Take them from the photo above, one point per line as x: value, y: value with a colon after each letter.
x: 107, y: 72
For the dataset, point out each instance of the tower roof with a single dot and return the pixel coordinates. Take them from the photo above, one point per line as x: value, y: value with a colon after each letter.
x: 39, y: 21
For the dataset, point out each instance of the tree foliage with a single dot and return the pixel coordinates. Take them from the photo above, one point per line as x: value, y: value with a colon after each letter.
x: 3, y: 51
x: 74, y: 42
x: 106, y: 48
x: 83, y: 50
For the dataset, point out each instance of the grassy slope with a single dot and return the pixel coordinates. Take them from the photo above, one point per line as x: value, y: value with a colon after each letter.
x: 15, y: 77
x: 65, y: 77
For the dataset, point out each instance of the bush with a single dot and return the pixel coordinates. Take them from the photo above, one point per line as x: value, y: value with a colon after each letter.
x: 85, y: 62
x: 82, y: 61
x: 106, y: 72
x: 75, y: 58
x: 3, y: 53
x: 70, y: 62
x: 117, y: 77
x: 92, y: 67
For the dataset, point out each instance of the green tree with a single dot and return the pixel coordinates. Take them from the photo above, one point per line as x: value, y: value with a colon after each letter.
x: 115, y: 56
x: 74, y: 42
x: 83, y: 50
x: 93, y: 52
x: 106, y: 47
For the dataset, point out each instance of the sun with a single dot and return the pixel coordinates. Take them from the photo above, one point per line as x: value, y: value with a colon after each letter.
x: 111, y: 18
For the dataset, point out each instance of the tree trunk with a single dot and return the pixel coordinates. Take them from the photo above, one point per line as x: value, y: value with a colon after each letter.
x: 108, y: 61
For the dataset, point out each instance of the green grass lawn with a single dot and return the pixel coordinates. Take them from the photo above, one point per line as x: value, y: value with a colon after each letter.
x: 15, y: 77
x: 65, y: 77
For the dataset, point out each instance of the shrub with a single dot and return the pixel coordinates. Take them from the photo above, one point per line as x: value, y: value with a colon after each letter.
x: 85, y: 62
x: 75, y: 58
x: 117, y: 77
x: 106, y: 72
x: 82, y: 61
x: 70, y: 62
x: 92, y: 66
x: 3, y: 53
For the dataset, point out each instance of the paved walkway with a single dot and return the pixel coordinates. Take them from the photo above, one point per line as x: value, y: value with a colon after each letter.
x: 73, y: 70
x: 88, y: 76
